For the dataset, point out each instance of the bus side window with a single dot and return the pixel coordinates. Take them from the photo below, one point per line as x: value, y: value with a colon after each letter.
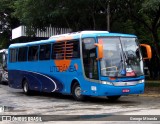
x: 22, y: 54
x: 58, y: 50
x: 66, y: 50
x: 45, y: 51
x: 76, y: 50
x: 33, y: 53
x: 13, y: 55
x: 72, y: 49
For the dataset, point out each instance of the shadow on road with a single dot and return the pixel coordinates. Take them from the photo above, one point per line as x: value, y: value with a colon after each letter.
x: 90, y: 100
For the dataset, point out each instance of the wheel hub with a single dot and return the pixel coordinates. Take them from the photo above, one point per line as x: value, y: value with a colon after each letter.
x: 78, y: 91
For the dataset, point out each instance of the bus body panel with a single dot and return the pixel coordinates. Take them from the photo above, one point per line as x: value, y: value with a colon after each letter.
x: 104, y: 90
x: 46, y: 81
x: 97, y: 89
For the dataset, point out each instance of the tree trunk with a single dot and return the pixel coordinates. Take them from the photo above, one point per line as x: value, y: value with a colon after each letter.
x: 156, y: 56
x: 156, y: 40
x: 108, y: 17
x: 94, y: 21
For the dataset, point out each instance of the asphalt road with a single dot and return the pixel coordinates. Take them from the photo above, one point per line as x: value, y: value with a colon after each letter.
x: 55, y: 107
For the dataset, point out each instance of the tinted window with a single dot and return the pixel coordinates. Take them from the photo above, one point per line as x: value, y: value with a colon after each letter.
x: 45, y: 51
x: 72, y: 49
x: 13, y: 55
x: 66, y: 50
x: 89, y: 58
x: 22, y: 54
x: 58, y: 50
x: 33, y: 53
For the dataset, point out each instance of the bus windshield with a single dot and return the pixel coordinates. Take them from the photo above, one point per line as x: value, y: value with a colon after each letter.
x: 122, y: 57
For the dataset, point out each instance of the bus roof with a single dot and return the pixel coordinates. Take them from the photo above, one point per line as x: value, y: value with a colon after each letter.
x: 70, y: 36
x: 91, y: 33
x: 78, y: 33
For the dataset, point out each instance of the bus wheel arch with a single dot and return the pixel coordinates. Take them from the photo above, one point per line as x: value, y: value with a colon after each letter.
x: 76, y: 90
x: 25, y: 86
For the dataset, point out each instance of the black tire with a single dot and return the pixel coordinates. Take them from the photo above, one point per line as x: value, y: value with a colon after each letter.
x: 76, y: 92
x: 26, y: 89
x: 113, y: 98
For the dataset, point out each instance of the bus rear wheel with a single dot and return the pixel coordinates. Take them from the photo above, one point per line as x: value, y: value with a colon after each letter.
x: 113, y: 98
x: 76, y: 92
x: 26, y: 89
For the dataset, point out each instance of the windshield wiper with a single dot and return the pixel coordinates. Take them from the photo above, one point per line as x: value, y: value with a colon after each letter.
x: 129, y: 68
x: 126, y: 63
x: 123, y: 71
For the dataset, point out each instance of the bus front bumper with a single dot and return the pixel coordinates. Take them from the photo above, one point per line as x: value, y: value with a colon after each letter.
x: 110, y: 90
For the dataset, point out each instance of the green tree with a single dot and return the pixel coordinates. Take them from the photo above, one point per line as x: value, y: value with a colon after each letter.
x: 7, y: 22
x: 146, y: 15
x: 77, y: 15
x: 151, y: 11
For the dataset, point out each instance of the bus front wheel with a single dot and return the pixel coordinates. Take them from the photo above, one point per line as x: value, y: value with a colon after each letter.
x: 76, y: 92
x: 26, y: 89
x: 113, y: 98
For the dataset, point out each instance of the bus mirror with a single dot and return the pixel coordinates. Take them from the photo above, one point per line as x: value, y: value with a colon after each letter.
x: 146, y: 51
x: 100, y: 51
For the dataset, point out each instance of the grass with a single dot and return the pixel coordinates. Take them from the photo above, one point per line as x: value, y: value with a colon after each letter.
x: 152, y: 84
x: 152, y: 87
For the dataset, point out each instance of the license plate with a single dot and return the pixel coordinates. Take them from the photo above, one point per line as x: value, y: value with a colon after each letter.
x: 125, y: 90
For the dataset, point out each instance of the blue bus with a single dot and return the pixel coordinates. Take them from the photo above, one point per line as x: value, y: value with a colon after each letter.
x: 86, y: 63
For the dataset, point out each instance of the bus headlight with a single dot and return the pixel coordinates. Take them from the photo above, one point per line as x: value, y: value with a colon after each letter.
x: 106, y: 82
x: 141, y: 81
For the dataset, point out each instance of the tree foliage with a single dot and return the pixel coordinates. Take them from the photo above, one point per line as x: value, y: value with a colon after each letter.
x: 146, y: 13
x: 140, y: 17
x: 7, y: 22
